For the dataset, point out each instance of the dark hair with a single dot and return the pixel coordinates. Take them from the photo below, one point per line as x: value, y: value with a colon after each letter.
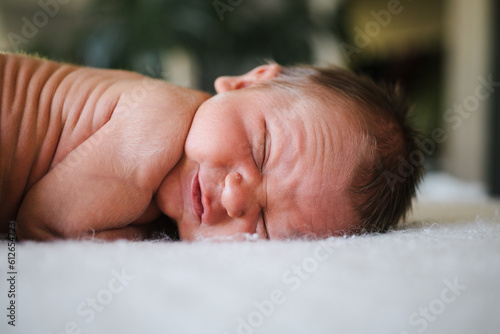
x: 387, y: 173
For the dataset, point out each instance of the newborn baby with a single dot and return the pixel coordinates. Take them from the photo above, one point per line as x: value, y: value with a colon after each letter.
x: 278, y: 153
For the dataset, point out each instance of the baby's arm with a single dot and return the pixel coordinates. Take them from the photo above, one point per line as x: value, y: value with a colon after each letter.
x: 104, y: 187
x: 87, y: 192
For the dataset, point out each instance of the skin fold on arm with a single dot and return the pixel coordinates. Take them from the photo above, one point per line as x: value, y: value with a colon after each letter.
x: 83, y: 150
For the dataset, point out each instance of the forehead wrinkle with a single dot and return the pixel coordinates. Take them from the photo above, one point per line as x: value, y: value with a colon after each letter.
x: 344, y: 144
x: 318, y: 131
x: 287, y: 146
x: 316, y: 192
x: 307, y: 134
x: 335, y: 144
x: 334, y: 149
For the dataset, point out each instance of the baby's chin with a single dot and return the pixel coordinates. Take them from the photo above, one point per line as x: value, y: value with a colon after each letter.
x: 189, y: 230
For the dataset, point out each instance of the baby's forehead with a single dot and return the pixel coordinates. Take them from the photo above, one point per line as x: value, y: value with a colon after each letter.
x: 314, y: 109
x: 311, y: 102
x: 310, y: 176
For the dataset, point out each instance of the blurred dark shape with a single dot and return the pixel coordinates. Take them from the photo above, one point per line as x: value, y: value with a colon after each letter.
x: 494, y: 144
x: 132, y: 35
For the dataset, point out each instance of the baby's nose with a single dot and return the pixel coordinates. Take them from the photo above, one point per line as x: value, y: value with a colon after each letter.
x: 236, y: 195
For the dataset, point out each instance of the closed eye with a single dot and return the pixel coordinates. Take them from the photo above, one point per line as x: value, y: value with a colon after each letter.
x: 264, y: 223
x: 265, y: 156
x: 265, y: 147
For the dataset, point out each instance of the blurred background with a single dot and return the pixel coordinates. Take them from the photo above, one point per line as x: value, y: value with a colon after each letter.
x: 444, y: 52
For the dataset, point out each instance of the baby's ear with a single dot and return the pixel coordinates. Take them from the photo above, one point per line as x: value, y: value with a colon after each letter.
x: 258, y: 74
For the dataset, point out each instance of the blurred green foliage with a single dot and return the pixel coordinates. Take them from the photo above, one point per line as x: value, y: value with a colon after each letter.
x: 224, y: 36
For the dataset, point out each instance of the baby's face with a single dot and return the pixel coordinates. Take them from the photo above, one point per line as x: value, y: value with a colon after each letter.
x: 255, y: 162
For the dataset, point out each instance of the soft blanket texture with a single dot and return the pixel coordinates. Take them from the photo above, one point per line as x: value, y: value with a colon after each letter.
x: 431, y: 276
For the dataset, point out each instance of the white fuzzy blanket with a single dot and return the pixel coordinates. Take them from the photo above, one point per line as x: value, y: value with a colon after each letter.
x: 440, y: 276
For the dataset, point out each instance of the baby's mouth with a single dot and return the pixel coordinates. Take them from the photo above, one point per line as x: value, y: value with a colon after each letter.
x: 196, y: 197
